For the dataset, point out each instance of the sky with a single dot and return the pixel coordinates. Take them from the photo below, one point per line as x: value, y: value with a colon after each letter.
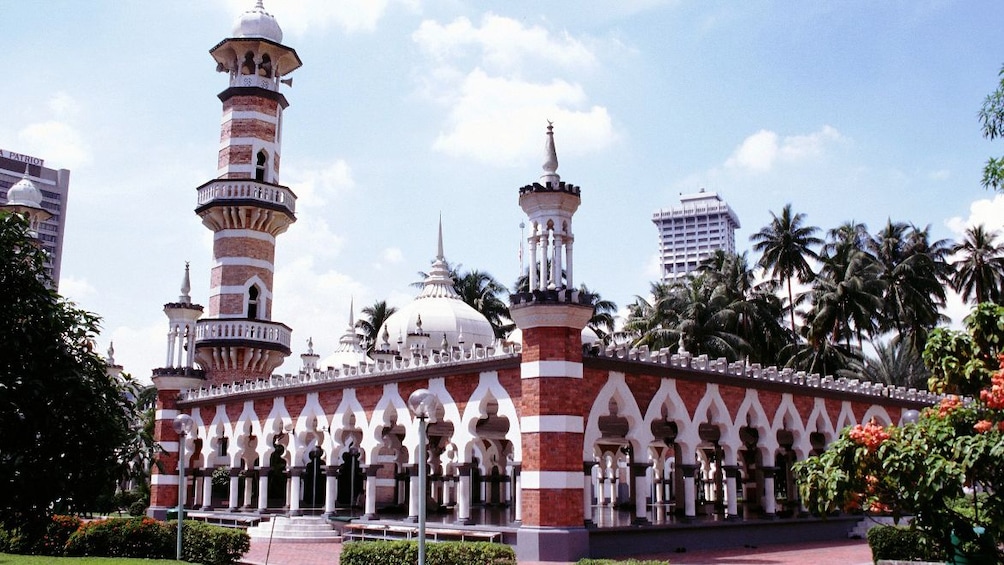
x: 408, y: 110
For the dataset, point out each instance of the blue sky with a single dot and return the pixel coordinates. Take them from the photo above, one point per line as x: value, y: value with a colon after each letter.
x: 408, y: 109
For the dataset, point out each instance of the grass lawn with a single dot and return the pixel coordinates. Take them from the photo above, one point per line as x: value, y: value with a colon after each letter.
x: 6, y: 559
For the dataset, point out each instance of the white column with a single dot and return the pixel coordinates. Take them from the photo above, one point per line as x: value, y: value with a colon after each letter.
x: 532, y: 272
x: 235, y: 482
x: 330, y: 494
x: 587, y: 498
x: 689, y: 491
x: 640, y: 491
x: 415, y: 495
x: 171, y: 336
x: 248, y: 490
x: 464, y: 494
x: 568, y: 262
x: 519, y: 498
x: 197, y: 495
x: 207, y: 489
x: 730, y: 490
x: 769, y: 502
x: 190, y: 342
x: 598, y: 488
x: 294, y: 493
x: 262, y: 489
x: 543, y: 258
x: 371, y: 492
x: 556, y: 261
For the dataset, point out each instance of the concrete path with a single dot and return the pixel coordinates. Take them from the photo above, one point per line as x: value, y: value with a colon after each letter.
x: 849, y: 552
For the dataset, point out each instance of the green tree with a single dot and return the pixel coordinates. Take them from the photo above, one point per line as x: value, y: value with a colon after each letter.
x: 786, y: 245
x: 979, y: 266
x: 962, y: 362
x: 992, y: 124
x: 484, y: 293
x: 65, y: 423
x: 602, y: 321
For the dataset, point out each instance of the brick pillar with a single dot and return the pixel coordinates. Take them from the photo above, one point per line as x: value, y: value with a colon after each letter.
x: 552, y: 426
x: 164, y: 475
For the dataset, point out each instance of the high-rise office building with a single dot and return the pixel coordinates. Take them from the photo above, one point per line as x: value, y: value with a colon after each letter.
x: 693, y: 231
x: 54, y: 185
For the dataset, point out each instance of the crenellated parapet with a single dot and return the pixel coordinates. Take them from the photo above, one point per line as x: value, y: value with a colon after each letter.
x: 363, y: 371
x: 755, y: 371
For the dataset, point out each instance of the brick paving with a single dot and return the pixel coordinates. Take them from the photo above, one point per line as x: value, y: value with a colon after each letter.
x: 849, y: 552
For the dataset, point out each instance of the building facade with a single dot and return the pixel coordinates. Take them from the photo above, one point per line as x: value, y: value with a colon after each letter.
x: 54, y: 186
x: 691, y: 232
x: 546, y: 434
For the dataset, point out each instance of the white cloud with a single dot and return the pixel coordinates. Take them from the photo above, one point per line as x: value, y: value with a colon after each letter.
x: 314, y: 186
x: 505, y: 44
x: 76, y: 289
x: 305, y: 16
x: 57, y: 142
x: 481, y: 75
x: 392, y: 255
x: 138, y: 350
x: 492, y: 116
x: 989, y: 213
x: 63, y: 105
x: 760, y: 152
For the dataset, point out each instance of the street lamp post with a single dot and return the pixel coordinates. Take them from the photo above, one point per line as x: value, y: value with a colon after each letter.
x: 422, y: 404
x: 183, y: 426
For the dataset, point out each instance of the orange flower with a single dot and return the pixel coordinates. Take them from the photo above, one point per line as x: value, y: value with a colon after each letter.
x: 870, y: 435
x: 983, y: 426
x: 949, y: 403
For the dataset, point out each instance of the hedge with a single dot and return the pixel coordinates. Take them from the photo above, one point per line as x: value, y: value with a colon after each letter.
x: 208, y: 544
x: 438, y: 553
x: 901, y: 543
x: 122, y: 537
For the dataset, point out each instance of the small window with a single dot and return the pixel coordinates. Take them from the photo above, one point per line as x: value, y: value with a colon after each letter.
x: 247, y: 67
x: 253, y: 302
x: 260, y: 166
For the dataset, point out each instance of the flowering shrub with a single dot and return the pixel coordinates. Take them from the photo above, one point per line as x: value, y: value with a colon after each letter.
x: 933, y: 470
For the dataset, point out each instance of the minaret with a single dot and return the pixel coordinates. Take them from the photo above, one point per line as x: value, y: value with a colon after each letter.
x: 246, y: 207
x: 551, y: 316
x: 178, y: 374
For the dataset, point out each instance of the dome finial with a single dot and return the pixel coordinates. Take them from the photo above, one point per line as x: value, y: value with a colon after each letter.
x: 310, y: 340
x: 186, y: 287
x: 111, y: 352
x: 439, y: 249
x: 551, y: 164
x: 352, y: 313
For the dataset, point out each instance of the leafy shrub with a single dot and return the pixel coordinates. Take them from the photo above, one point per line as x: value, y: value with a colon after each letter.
x: 56, y: 535
x: 137, y: 508
x: 439, y: 553
x: 13, y: 541
x: 903, y: 544
x: 211, y: 545
x: 122, y: 537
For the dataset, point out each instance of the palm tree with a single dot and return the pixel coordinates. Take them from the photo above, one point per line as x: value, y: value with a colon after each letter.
x: 785, y: 246
x: 602, y: 322
x: 373, y: 318
x: 979, y: 266
x: 896, y: 363
x: 913, y: 270
x: 481, y: 291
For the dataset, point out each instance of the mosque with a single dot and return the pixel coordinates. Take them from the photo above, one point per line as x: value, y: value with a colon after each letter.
x: 560, y: 446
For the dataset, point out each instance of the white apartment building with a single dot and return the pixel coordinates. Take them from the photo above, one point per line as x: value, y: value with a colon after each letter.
x: 692, y: 231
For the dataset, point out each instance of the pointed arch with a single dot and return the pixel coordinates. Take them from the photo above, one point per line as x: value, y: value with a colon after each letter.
x: 488, y: 387
x: 615, y: 389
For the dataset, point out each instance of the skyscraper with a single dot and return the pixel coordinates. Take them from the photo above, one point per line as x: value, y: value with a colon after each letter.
x: 693, y: 231
x: 54, y: 185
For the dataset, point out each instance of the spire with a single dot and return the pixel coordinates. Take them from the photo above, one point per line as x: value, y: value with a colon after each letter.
x: 111, y: 353
x: 186, y: 287
x: 310, y: 340
x: 551, y: 164
x: 439, y: 283
x: 352, y: 314
x: 439, y: 248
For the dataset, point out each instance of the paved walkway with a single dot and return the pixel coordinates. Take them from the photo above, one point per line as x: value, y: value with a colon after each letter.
x: 850, y: 552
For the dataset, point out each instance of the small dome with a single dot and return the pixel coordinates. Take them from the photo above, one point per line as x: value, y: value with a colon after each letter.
x: 349, y: 351
x: 24, y: 193
x: 256, y: 22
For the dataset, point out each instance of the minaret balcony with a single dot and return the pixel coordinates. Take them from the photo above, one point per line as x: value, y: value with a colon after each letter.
x: 246, y: 204
x: 246, y: 192
x: 256, y: 334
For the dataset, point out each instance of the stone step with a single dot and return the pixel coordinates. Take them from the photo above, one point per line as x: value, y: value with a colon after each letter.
x: 295, y: 528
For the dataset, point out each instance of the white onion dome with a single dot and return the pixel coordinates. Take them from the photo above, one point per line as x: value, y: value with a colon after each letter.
x: 437, y: 319
x: 256, y: 22
x: 24, y: 193
x: 589, y: 336
x: 349, y: 352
